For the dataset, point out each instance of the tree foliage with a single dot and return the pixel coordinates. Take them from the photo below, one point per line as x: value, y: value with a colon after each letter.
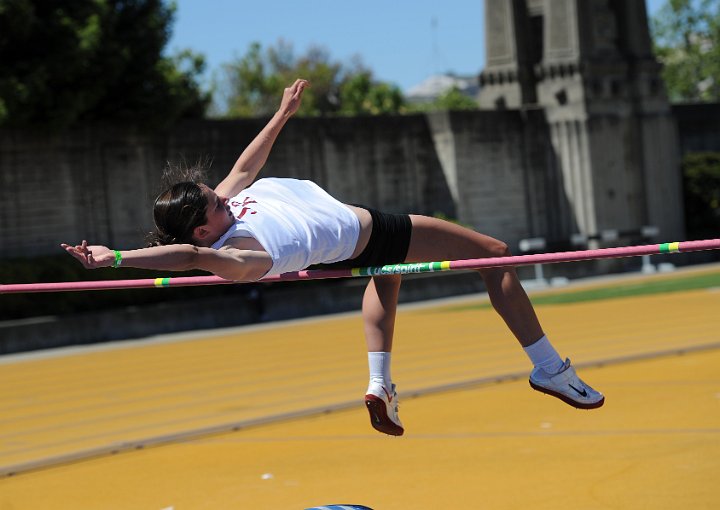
x: 360, y: 95
x: 451, y: 99
x: 687, y: 42
x: 254, y: 82
x: 87, y: 60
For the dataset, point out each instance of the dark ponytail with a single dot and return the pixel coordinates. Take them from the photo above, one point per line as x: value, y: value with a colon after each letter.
x: 181, y: 208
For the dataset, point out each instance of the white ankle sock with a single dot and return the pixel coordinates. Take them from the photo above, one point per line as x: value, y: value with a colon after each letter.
x: 379, y: 363
x: 544, y: 355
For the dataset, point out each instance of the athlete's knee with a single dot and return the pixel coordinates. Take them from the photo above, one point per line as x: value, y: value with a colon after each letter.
x: 498, y: 249
x: 494, y: 275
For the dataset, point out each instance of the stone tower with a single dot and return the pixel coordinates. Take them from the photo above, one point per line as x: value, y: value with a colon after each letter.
x: 588, y: 65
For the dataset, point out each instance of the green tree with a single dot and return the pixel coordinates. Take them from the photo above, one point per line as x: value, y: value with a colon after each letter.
x: 454, y: 99
x: 359, y: 94
x: 88, y: 60
x: 254, y: 82
x: 687, y: 42
x: 451, y: 99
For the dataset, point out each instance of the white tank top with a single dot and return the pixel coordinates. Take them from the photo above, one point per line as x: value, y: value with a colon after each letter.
x: 296, y: 222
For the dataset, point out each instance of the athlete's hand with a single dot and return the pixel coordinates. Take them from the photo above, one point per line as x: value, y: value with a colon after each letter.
x: 91, y: 257
x: 292, y: 97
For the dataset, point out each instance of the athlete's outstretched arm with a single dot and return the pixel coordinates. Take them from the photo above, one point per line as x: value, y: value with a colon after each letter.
x: 228, y: 262
x: 255, y: 155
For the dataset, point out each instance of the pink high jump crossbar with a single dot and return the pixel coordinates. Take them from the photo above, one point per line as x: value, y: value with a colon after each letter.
x: 408, y: 268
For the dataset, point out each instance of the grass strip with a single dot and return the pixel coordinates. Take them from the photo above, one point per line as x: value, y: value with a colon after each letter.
x: 619, y: 290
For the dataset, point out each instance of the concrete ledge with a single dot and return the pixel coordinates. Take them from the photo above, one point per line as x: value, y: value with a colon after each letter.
x: 270, y: 303
x: 275, y: 302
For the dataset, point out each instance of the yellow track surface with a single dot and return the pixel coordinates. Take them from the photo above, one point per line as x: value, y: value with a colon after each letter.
x: 476, y: 435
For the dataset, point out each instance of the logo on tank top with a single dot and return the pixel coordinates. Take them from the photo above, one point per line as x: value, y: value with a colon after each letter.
x: 245, y: 209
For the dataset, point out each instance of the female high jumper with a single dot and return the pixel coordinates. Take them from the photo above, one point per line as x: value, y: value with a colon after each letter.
x: 244, y: 230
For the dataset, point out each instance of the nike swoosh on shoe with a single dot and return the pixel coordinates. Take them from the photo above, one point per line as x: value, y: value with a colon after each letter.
x: 390, y: 397
x: 582, y: 393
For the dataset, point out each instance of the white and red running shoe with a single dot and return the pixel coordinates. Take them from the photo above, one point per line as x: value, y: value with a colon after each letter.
x: 566, y: 386
x: 383, y: 408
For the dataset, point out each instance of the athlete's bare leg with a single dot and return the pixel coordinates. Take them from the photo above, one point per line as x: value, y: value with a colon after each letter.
x: 434, y: 240
x: 379, y: 309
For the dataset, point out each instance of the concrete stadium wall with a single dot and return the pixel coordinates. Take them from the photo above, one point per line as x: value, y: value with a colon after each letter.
x: 496, y: 171
x: 98, y: 183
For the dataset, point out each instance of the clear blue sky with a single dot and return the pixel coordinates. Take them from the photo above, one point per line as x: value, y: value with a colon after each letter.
x: 402, y: 41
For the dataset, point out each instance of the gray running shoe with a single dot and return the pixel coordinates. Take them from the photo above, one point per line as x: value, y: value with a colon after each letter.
x: 566, y: 386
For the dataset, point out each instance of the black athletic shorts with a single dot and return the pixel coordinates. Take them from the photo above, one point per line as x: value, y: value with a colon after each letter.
x: 388, y: 244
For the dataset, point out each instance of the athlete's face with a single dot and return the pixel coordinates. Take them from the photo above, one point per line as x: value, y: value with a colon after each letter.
x: 219, y: 217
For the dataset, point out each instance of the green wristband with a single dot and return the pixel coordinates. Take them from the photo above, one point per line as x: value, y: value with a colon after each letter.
x: 118, y: 259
